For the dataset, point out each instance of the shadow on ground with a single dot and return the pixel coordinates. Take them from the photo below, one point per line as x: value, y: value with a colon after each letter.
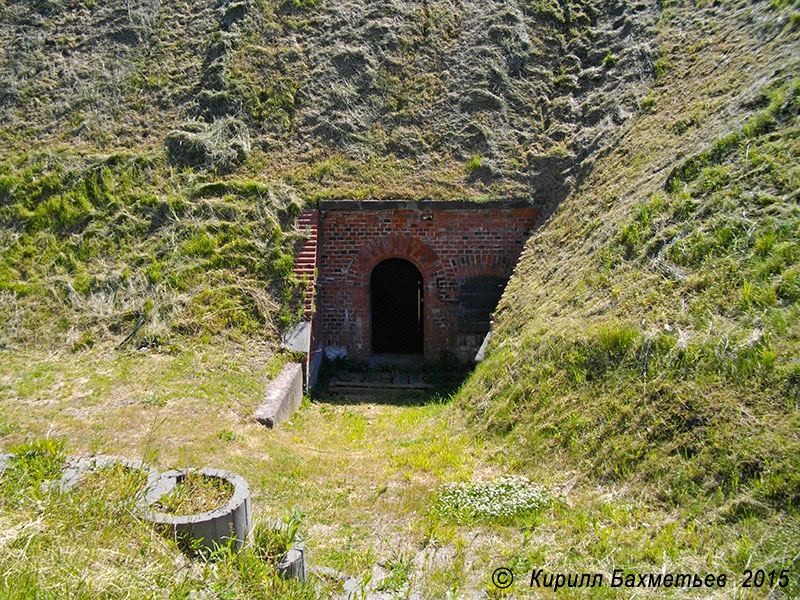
x: 409, y: 384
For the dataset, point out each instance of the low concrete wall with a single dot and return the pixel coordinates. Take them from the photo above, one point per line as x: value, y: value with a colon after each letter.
x: 283, y: 397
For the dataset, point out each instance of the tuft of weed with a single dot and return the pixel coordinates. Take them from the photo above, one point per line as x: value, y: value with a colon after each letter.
x: 36, y: 461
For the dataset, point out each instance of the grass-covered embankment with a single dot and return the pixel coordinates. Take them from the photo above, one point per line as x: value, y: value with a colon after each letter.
x: 687, y: 375
x: 644, y: 370
x: 647, y: 345
x: 92, y: 246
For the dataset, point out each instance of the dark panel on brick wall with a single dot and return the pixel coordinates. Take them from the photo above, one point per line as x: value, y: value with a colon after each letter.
x: 477, y: 299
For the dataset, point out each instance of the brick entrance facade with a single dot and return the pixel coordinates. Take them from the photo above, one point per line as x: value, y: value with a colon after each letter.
x: 464, y: 251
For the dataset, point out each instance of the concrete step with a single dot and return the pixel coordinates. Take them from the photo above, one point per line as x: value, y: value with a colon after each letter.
x: 377, y: 383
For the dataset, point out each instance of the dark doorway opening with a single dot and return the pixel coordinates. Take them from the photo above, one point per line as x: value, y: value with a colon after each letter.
x: 397, y: 307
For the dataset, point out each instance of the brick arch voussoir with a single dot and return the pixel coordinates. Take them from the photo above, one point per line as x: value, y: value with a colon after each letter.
x: 475, y: 266
x: 396, y: 246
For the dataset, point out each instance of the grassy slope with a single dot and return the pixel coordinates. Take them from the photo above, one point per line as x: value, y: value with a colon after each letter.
x: 649, y: 338
x: 113, y: 115
x: 359, y: 98
x: 91, y: 249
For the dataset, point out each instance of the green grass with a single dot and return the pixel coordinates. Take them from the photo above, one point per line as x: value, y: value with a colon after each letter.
x: 663, y: 378
x: 365, y: 475
x: 89, y: 543
x: 648, y: 344
x: 644, y: 369
x: 91, y: 249
x: 335, y: 463
x: 196, y: 493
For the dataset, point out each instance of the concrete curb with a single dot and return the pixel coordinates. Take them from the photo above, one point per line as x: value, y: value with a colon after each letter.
x: 283, y: 396
x: 231, y: 521
x: 77, y: 469
x: 293, y: 563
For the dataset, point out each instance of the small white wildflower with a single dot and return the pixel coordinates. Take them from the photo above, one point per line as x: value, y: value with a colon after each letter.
x: 503, y: 498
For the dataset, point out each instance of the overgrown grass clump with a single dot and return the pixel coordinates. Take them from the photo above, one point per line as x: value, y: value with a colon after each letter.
x: 270, y: 541
x: 195, y: 493
x: 33, y: 463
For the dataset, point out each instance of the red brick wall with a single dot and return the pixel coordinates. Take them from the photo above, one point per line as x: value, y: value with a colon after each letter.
x: 446, y: 245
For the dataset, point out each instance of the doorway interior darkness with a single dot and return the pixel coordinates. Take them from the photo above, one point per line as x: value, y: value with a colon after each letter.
x: 396, y: 300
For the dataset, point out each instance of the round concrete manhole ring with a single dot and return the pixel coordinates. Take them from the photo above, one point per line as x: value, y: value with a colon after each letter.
x: 228, y: 523
x: 77, y: 469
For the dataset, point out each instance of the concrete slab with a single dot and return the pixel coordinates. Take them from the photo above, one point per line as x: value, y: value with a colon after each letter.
x: 283, y: 396
x: 375, y: 383
x: 484, y: 347
x: 298, y: 339
x: 397, y: 361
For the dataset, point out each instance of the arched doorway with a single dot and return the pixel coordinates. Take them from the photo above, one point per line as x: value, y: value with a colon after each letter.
x: 396, y: 301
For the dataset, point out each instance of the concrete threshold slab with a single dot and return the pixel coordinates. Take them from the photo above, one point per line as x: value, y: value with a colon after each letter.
x: 377, y: 382
x: 409, y: 362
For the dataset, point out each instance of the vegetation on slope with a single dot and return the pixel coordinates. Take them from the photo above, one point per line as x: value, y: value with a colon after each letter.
x: 90, y: 250
x: 153, y: 153
x: 644, y: 366
x: 649, y: 338
x: 359, y: 98
x: 691, y: 376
